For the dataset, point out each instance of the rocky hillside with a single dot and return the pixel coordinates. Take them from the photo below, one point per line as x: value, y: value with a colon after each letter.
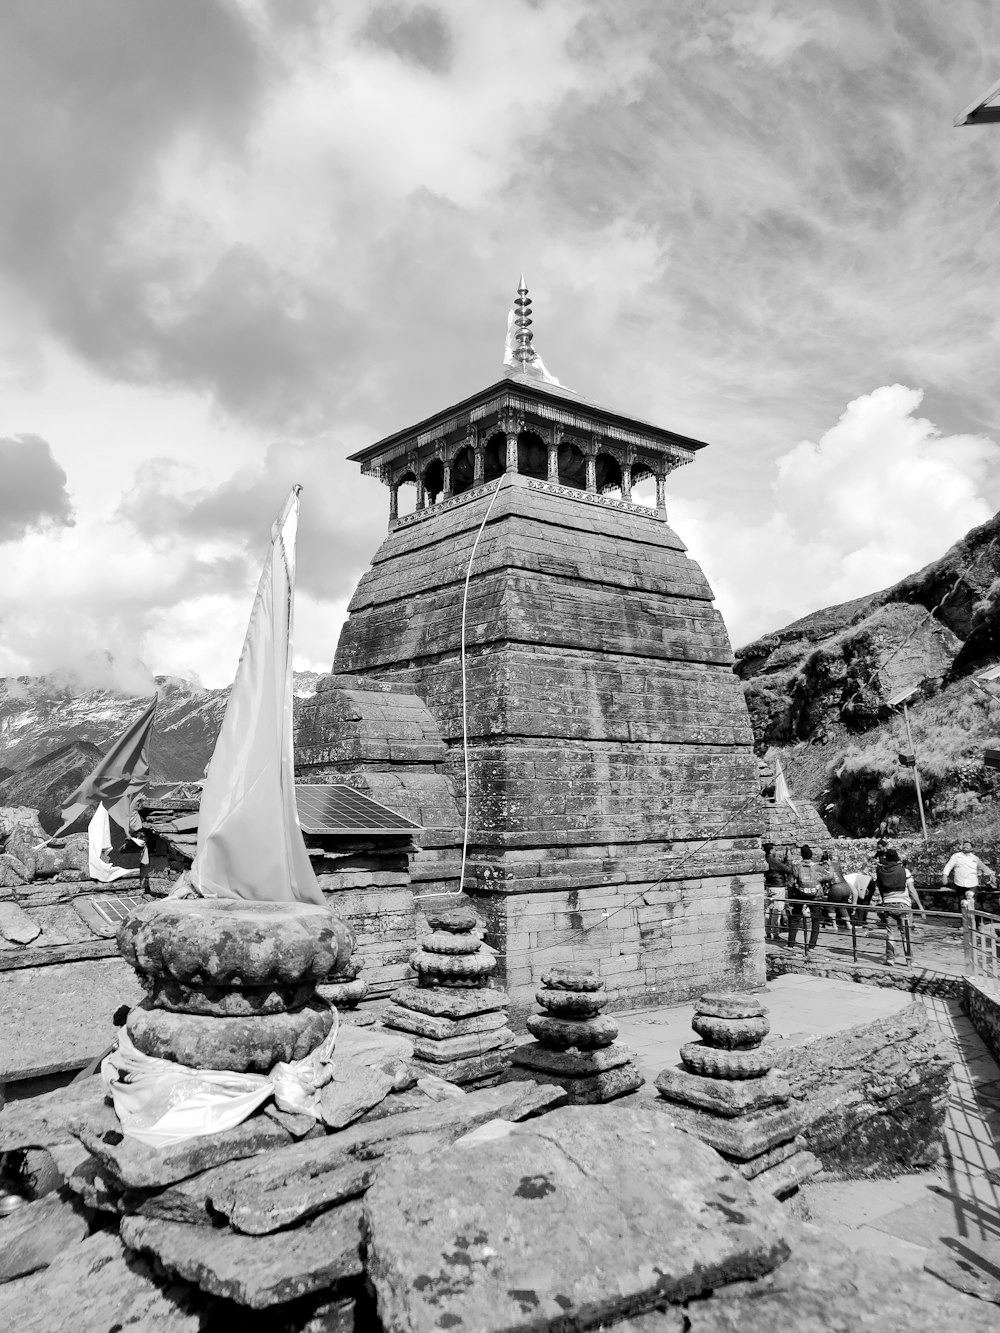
x: 817, y: 691
x: 51, y: 734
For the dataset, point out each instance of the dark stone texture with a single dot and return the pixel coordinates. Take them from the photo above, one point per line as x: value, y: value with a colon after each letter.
x: 38, y: 1233
x: 445, y: 1003
x: 533, y: 1055
x: 741, y: 1137
x: 563, y: 1033
x: 724, y: 1097
x: 137, y: 1166
x: 225, y: 1001
x: 873, y: 1098
x: 258, y: 1271
x: 93, y: 1287
x: 726, y: 1004
x: 765, y: 1160
x: 229, y: 942
x: 711, y: 1062
x: 244, y: 1045
x: 476, y: 1237
x: 983, y: 1007
x: 731, y: 1033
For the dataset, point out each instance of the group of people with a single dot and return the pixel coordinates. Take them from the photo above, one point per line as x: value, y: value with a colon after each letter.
x: 830, y: 896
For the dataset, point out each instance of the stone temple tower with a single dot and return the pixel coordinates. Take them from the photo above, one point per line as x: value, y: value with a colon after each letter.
x: 570, y: 652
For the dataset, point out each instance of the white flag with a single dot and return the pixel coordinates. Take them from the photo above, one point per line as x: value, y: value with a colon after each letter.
x: 781, y: 794
x: 250, y: 844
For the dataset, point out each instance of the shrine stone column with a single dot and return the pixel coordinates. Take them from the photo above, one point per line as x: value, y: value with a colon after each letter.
x: 446, y: 489
x: 477, y: 468
x: 511, y: 451
x: 626, y: 481
x: 661, y: 493
x: 420, y: 491
x: 393, y: 502
x: 591, y: 474
x: 555, y: 439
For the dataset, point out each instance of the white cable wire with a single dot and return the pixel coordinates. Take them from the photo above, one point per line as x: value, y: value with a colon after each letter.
x: 465, y: 709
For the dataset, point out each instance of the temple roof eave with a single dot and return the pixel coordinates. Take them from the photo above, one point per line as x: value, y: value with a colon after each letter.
x: 524, y: 393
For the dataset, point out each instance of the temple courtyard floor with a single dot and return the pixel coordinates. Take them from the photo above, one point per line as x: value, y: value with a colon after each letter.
x: 950, y: 1213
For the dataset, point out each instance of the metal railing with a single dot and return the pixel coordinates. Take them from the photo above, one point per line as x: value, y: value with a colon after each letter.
x: 979, y: 939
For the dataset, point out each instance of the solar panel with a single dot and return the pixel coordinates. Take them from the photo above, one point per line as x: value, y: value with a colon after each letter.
x: 118, y: 908
x: 339, y: 809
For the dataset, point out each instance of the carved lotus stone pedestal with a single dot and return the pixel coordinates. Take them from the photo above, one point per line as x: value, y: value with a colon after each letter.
x: 575, y: 1043
x: 727, y: 1094
x: 231, y: 984
x: 345, y: 989
x: 457, y: 1023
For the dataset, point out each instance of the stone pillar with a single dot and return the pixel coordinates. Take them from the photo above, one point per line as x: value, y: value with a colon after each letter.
x: 420, y: 491
x: 554, y: 462
x: 477, y: 471
x: 511, y: 452
x: 661, y: 493
x: 591, y: 474
x: 626, y: 481
x: 393, y: 502
x: 446, y: 489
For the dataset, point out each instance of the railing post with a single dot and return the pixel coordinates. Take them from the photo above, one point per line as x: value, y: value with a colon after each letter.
x: 968, y: 932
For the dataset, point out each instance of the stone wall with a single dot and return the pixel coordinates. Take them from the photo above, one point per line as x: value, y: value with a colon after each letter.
x: 786, y: 827
x: 981, y: 1001
x: 609, y: 747
x: 875, y: 1096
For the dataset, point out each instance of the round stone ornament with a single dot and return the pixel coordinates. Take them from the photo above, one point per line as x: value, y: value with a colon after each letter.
x: 570, y: 977
x: 457, y: 969
x: 234, y: 943
x: 731, y: 1033
x: 444, y: 941
x: 562, y: 1033
x: 730, y: 1004
x: 572, y: 1003
x: 455, y: 919
x: 225, y: 1001
x: 242, y: 1045
x: 711, y: 1062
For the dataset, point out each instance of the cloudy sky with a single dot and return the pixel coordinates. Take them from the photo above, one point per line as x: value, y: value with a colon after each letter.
x: 240, y: 240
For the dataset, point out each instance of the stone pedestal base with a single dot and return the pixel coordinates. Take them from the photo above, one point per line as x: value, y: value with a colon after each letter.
x: 588, y: 1076
x: 738, y: 1137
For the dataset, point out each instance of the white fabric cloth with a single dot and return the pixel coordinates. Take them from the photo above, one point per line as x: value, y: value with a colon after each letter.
x: 535, y: 366
x: 781, y: 793
x: 858, y: 882
x: 250, y: 844
x: 99, y: 842
x: 966, y: 866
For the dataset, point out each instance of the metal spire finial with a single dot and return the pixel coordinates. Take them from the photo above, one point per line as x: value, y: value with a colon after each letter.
x: 523, y: 352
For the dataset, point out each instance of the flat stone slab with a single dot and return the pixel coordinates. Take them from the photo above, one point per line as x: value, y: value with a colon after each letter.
x: 967, y: 1264
x: 741, y: 1137
x: 462, y: 1048
x: 471, y: 1070
x: 354, y: 1089
x: 445, y: 1003
x: 42, y: 1121
x: 137, y: 1166
x: 250, y: 1045
x: 440, y: 1028
x: 258, y: 1271
x: 36, y: 1235
x: 16, y: 925
x: 533, y: 1055
x: 786, y: 1176
x: 721, y: 1096
x: 94, y: 1287
x: 748, y: 1170
x: 592, y: 1089
x: 730, y: 1004
x: 278, y: 1188
x: 584, y: 1215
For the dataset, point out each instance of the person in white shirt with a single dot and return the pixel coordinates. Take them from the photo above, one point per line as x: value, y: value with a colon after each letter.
x: 967, y: 868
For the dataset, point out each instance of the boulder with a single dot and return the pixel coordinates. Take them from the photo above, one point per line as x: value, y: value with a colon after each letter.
x: 38, y: 1233
x: 229, y: 942
x: 353, y: 1089
x: 588, y: 1214
x: 245, y: 1045
x: 16, y: 926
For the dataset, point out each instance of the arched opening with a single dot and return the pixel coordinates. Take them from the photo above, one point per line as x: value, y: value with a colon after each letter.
x: 406, y: 494
x: 532, y: 455
x: 643, y: 485
x: 572, y: 467
x: 463, y: 471
x: 608, y: 473
x: 495, y: 457
x: 433, y: 481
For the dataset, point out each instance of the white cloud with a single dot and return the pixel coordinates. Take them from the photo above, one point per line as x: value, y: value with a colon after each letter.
x: 878, y: 496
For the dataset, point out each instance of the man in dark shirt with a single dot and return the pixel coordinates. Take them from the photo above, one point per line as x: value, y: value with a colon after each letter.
x: 776, y: 878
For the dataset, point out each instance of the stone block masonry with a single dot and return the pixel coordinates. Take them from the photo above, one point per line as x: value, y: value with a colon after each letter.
x: 610, y: 752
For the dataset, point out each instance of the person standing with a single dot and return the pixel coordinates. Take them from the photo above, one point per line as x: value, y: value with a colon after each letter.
x: 776, y: 880
x: 839, y: 893
x: 967, y: 867
x: 899, y: 896
x: 808, y: 885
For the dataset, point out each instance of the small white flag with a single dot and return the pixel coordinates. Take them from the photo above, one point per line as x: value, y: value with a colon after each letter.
x: 781, y: 794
